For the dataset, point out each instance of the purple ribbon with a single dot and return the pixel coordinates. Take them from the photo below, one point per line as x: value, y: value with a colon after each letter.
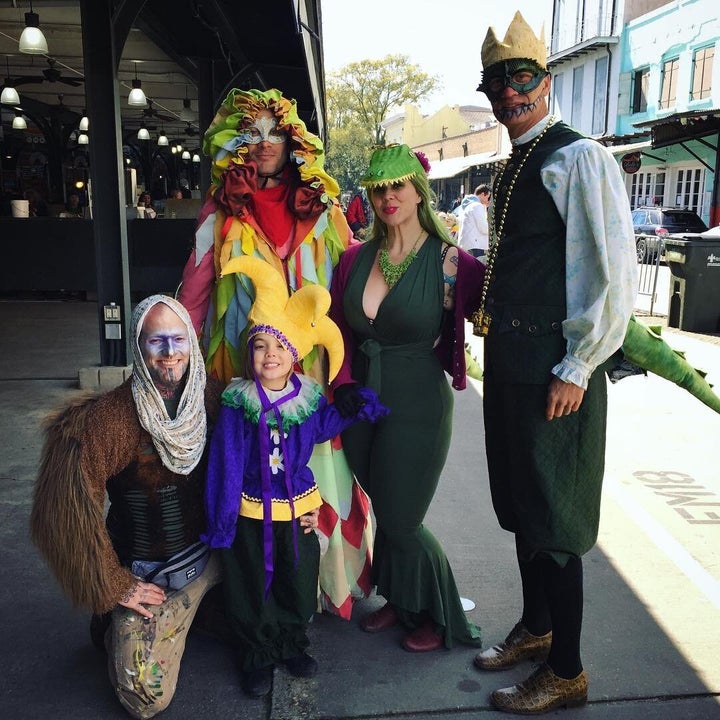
x: 264, y: 439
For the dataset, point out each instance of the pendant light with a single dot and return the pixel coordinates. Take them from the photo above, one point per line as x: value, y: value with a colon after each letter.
x: 196, y: 158
x: 137, y: 98
x: 32, y: 40
x: 83, y: 139
x: 18, y: 122
x: 143, y: 133
x: 162, y: 138
x: 84, y: 124
x: 186, y: 114
x: 9, y: 94
x: 186, y: 155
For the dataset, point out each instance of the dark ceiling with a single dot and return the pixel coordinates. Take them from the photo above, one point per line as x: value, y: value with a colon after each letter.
x: 196, y: 49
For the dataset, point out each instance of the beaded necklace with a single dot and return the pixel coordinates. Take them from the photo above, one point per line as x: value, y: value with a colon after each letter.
x: 481, y: 319
x: 393, y: 272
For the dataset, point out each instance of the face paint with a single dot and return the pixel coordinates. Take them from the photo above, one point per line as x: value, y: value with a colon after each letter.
x: 165, y: 348
x: 523, y: 76
x: 506, y: 114
x: 264, y: 129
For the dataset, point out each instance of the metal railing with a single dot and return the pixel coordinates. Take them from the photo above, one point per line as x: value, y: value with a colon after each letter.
x: 650, y: 251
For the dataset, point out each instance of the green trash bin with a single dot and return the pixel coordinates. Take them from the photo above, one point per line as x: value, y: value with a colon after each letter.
x: 694, y: 264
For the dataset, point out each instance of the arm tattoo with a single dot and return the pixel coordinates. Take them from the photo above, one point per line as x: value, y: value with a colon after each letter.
x: 125, y: 597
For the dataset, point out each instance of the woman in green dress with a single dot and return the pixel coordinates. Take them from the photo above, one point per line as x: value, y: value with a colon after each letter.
x: 401, y: 299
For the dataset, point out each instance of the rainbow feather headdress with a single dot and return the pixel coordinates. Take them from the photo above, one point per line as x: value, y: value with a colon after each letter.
x: 224, y: 141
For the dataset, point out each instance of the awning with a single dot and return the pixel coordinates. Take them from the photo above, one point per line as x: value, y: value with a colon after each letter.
x: 629, y: 147
x: 454, y: 166
x: 679, y: 128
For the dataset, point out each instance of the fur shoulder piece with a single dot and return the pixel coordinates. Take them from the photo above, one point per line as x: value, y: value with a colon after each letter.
x: 67, y: 518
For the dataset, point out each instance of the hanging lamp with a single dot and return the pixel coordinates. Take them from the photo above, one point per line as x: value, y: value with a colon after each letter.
x: 9, y: 94
x: 186, y: 114
x: 143, y: 133
x: 83, y: 139
x: 196, y: 158
x: 186, y: 155
x: 32, y: 40
x: 84, y: 124
x: 162, y: 138
x: 18, y: 122
x: 137, y: 98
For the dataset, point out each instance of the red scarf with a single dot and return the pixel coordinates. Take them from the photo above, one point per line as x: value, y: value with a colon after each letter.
x: 273, y: 215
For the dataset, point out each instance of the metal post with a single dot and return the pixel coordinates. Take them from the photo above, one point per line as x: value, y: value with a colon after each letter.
x: 109, y: 217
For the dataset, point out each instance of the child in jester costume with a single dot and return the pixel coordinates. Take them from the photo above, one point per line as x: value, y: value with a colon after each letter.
x: 258, y: 482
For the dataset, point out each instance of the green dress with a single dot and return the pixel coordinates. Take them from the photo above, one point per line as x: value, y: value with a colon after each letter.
x: 398, y: 461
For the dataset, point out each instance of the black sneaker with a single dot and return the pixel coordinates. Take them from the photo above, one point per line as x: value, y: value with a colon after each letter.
x: 258, y: 682
x: 302, y: 665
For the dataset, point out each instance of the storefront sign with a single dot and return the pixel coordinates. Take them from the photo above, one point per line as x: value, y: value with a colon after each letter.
x: 631, y: 162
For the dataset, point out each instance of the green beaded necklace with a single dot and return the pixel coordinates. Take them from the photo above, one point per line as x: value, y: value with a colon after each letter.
x: 392, y: 272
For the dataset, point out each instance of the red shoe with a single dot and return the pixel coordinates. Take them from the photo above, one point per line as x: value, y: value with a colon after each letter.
x: 381, y: 619
x: 423, y: 639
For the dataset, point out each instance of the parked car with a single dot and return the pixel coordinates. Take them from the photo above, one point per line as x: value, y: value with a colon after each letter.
x: 652, y: 224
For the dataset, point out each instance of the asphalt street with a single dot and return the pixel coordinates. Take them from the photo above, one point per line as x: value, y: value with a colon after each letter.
x: 652, y: 610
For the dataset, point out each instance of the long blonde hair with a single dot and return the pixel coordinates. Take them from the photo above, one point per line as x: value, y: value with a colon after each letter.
x: 429, y: 220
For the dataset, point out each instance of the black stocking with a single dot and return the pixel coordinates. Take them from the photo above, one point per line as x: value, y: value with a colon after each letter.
x: 564, y: 593
x: 536, y: 614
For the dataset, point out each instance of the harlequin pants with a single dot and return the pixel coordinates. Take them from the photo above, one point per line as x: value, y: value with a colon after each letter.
x: 144, y: 655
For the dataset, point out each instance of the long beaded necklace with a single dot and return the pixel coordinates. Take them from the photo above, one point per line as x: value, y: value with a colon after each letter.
x: 392, y: 272
x: 481, y: 319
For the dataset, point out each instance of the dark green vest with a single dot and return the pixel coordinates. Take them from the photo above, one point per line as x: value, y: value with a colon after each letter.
x: 526, y: 296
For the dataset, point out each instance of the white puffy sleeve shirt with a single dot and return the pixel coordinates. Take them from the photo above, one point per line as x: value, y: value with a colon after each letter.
x: 585, y: 183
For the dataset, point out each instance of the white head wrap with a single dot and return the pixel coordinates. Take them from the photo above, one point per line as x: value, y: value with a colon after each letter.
x: 179, y: 441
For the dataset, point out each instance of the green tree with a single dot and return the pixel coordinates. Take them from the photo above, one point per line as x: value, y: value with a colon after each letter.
x: 359, y: 97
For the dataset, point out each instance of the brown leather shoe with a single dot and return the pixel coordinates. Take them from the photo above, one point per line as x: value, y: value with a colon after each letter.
x: 541, y: 692
x: 381, y: 619
x: 518, y: 645
x: 423, y: 639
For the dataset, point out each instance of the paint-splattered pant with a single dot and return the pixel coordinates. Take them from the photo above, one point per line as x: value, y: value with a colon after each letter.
x: 144, y: 655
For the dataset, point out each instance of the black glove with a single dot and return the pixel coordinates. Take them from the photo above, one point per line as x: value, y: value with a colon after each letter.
x: 348, y: 400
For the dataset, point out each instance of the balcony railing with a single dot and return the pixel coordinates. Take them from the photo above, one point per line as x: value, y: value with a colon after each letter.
x: 594, y: 25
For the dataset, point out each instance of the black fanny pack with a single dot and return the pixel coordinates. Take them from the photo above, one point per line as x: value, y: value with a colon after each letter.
x: 176, y: 572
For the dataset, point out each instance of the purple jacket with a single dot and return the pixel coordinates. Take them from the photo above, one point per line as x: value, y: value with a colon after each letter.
x: 234, y: 477
x: 451, y: 348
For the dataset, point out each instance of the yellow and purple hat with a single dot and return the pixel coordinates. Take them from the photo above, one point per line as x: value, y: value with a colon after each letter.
x: 299, y: 321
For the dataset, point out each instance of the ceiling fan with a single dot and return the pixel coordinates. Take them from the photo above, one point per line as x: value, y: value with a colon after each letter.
x: 50, y: 74
x: 151, y: 112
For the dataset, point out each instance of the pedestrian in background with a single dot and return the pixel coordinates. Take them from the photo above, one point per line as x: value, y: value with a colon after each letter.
x: 473, y: 235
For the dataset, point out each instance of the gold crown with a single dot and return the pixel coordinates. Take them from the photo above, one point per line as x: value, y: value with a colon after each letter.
x: 519, y: 42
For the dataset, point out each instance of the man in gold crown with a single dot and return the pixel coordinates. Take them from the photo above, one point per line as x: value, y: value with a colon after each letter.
x: 559, y: 292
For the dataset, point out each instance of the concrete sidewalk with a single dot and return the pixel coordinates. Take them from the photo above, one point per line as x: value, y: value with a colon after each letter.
x: 639, y: 668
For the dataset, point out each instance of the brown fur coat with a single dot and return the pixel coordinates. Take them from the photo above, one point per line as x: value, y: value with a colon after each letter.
x: 86, y: 443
